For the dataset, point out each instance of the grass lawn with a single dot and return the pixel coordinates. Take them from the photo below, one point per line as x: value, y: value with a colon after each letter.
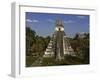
x: 30, y: 60
x: 68, y: 60
x: 51, y: 61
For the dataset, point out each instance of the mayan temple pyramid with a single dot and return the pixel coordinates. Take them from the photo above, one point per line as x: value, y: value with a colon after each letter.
x: 59, y: 45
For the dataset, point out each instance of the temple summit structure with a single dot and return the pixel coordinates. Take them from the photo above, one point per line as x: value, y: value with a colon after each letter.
x: 59, y: 45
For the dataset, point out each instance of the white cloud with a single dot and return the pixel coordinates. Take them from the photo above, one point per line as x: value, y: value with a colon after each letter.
x: 34, y: 21
x: 28, y: 20
x: 81, y: 17
x: 50, y: 20
x: 69, y: 21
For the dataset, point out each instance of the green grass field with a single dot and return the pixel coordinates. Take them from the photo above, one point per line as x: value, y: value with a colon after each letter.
x: 30, y: 60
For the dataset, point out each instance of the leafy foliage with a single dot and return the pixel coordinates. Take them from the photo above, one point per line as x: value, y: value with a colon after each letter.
x: 30, y: 39
x: 81, y: 46
x: 36, y: 45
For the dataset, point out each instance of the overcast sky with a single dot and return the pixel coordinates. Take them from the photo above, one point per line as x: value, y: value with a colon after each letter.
x: 44, y: 23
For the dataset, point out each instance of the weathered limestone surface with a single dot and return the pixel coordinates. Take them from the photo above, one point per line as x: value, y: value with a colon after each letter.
x: 59, y: 45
